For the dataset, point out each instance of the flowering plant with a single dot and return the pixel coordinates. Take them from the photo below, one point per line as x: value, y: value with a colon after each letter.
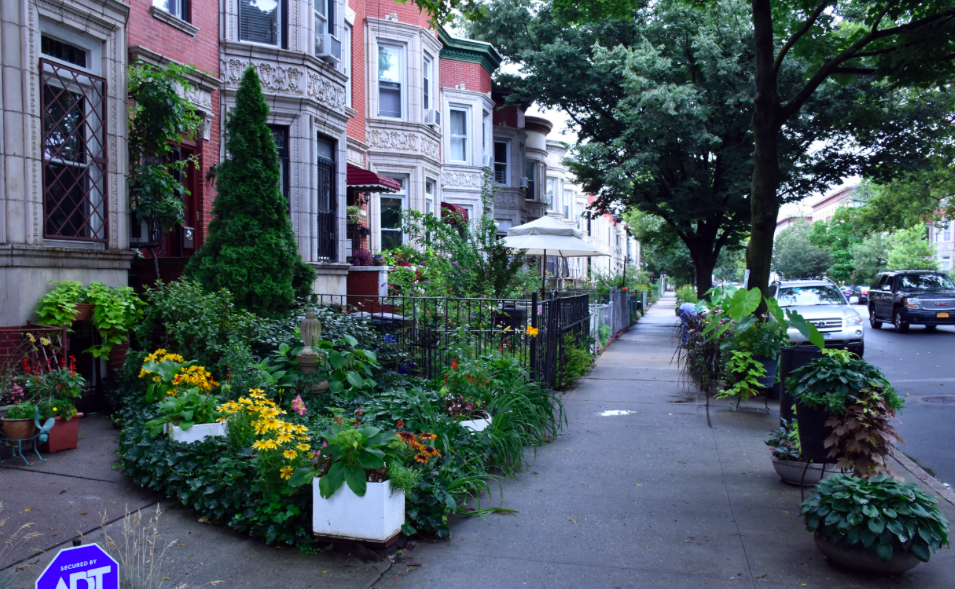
x: 169, y: 373
x: 53, y: 407
x: 459, y: 407
x: 59, y: 382
x: 187, y: 409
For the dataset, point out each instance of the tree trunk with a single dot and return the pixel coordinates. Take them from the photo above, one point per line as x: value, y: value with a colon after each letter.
x: 766, y: 128
x: 704, y: 260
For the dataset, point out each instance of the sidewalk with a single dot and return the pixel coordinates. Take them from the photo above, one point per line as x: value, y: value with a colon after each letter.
x: 652, y: 498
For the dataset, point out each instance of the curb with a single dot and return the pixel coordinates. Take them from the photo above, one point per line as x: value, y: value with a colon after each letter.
x: 928, y: 480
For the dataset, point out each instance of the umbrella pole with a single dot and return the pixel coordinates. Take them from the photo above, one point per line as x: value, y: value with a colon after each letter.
x: 544, y: 275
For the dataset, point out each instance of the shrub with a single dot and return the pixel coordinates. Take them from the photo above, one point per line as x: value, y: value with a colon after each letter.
x: 686, y: 294
x: 577, y: 361
x: 829, y: 381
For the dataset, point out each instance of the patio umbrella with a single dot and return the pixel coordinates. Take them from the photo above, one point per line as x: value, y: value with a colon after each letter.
x: 549, y: 237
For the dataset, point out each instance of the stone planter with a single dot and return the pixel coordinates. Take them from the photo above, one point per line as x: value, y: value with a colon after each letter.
x: 791, y: 471
x: 859, y: 559
x: 197, y: 433
x: 64, y: 435
x: 18, y: 429
x: 476, y: 425
x: 376, y: 517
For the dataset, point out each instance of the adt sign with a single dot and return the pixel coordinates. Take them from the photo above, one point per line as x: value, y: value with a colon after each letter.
x: 82, y: 567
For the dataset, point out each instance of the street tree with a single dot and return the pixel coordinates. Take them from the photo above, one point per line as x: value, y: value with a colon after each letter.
x: 869, y: 257
x: 661, y: 98
x: 796, y: 257
x: 837, y: 236
x: 251, y: 248
x: 910, y: 250
x: 914, y: 199
x: 661, y: 249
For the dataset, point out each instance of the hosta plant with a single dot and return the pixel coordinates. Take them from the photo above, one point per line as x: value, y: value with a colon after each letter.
x: 881, y: 515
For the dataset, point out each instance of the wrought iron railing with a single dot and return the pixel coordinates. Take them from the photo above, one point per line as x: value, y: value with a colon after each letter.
x: 45, y: 347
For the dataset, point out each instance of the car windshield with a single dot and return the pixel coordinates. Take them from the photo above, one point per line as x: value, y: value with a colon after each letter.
x: 925, y: 282
x: 810, y: 295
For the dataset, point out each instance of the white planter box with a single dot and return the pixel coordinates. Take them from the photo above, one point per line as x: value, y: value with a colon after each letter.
x: 198, y: 432
x: 376, y: 517
x: 476, y: 425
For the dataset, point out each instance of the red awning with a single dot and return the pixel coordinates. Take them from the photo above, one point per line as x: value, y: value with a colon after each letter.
x: 362, y: 180
x: 458, y: 211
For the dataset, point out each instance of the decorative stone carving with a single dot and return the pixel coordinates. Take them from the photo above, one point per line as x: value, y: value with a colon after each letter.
x: 462, y: 180
x: 288, y: 80
x: 311, y: 330
x: 393, y: 17
x: 355, y: 157
x: 403, y: 141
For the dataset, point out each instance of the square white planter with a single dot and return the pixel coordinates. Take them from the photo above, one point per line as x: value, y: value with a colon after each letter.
x: 476, y: 425
x: 376, y: 517
x: 198, y: 432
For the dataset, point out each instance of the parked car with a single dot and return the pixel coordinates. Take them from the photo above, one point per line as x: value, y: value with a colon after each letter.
x: 822, y: 304
x: 847, y: 290
x: 862, y: 292
x: 912, y: 297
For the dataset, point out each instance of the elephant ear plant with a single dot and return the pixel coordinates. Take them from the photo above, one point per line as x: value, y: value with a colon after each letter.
x: 880, y: 515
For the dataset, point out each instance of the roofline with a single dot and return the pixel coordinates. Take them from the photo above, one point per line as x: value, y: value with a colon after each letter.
x: 469, y: 50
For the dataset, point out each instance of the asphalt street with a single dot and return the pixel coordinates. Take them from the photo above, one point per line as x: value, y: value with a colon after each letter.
x: 920, y: 364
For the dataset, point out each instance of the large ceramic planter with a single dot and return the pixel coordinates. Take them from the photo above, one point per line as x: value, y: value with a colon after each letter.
x: 769, y: 379
x: 791, y: 358
x: 198, y: 432
x: 64, y: 435
x: 18, y: 429
x: 795, y: 472
x: 813, y: 433
x: 859, y: 559
x: 476, y: 425
x: 376, y: 517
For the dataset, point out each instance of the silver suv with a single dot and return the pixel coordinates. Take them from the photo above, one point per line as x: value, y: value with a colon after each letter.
x: 822, y: 304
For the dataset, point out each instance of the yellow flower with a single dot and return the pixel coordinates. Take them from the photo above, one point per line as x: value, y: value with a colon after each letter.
x: 290, y: 454
x: 259, y: 445
x: 31, y: 338
x: 45, y: 341
x: 287, y: 472
x: 54, y: 408
x: 304, y: 447
x: 532, y: 331
x: 284, y: 437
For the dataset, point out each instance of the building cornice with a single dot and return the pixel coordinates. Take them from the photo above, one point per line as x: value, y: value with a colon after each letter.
x: 469, y: 50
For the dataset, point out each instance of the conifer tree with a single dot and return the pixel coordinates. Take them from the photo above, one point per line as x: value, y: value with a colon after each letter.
x: 251, y: 248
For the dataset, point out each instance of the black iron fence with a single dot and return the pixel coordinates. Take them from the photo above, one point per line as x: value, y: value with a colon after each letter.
x: 427, y: 330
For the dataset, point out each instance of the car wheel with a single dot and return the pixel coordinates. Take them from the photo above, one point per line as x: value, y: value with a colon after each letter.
x: 875, y: 323
x: 897, y: 321
x: 931, y: 327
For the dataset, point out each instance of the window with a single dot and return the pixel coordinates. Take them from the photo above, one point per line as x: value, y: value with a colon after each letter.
x: 924, y: 282
x: 947, y: 263
x: 459, y: 135
x: 486, y: 133
x: 521, y: 159
x: 391, y: 208
x: 322, y: 20
x: 549, y: 195
x: 390, y: 103
x: 327, y: 194
x: 566, y: 212
x: 530, y: 171
x: 73, y: 148
x: 179, y: 8
x: 427, y: 76
x: 429, y: 196
x: 810, y: 295
x: 500, y: 162
x: 943, y: 233
x: 262, y: 21
x: 346, y: 63
x: 280, y: 136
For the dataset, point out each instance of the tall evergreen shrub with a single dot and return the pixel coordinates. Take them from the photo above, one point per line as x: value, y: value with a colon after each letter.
x: 251, y: 248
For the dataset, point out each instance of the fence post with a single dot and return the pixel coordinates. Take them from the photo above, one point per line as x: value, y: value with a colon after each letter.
x: 533, y: 361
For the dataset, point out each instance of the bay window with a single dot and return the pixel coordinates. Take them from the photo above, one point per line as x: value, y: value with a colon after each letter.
x: 262, y: 21
x: 459, y: 135
x: 390, y: 98
x: 500, y: 162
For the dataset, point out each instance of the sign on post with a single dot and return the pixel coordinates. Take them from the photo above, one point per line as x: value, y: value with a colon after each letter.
x: 81, y: 567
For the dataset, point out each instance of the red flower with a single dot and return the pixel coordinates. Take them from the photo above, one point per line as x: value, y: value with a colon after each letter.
x: 400, y: 424
x: 454, y: 363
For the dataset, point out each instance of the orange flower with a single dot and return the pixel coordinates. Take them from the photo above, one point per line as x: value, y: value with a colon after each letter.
x: 407, y: 437
x: 428, y: 436
x: 422, y: 458
x: 431, y: 451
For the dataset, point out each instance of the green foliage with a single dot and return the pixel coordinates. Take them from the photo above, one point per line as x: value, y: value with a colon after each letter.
x: 58, y: 307
x: 910, y: 249
x: 661, y: 249
x: 56, y: 407
x: 117, y: 310
x: 188, y: 408
x: 251, y: 249
x: 869, y: 258
x: 578, y: 358
x: 829, y: 382
x: 160, y: 117
x: 862, y: 437
x: 794, y: 255
x: 351, y: 369
x: 881, y: 514
x: 837, y: 237
x: 784, y: 441
x: 403, y: 477
x: 743, y: 372
x: 764, y: 338
x: 354, y: 451
x: 603, y: 335
x: 686, y: 294
x: 24, y: 410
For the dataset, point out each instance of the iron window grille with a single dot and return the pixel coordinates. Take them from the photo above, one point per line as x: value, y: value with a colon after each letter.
x: 74, y: 158
x: 327, y: 217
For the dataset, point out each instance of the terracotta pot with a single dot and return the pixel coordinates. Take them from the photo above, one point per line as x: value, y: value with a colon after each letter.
x: 859, y: 559
x: 18, y: 429
x: 84, y: 312
x: 63, y: 436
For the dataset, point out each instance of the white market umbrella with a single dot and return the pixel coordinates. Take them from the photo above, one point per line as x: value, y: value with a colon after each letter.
x: 549, y: 237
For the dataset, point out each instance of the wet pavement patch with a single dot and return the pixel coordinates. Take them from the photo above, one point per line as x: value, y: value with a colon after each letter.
x: 615, y: 412
x: 939, y: 399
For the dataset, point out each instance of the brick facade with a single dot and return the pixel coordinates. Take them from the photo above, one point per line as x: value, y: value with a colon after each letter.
x: 472, y: 75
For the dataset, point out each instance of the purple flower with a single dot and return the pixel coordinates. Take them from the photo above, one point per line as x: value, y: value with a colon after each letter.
x: 455, y: 264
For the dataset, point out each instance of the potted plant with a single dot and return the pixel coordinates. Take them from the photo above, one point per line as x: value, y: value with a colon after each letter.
x: 65, y: 433
x: 861, y: 436
x: 18, y: 422
x: 468, y: 412
x: 188, y: 416
x: 762, y: 340
x: 744, y: 372
x: 55, y: 393
x: 64, y: 304
x: 877, y: 525
x: 354, y: 215
x: 788, y: 462
x: 823, y: 388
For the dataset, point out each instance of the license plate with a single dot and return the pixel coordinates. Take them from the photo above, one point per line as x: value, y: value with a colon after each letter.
x: 827, y: 336
x: 942, y: 315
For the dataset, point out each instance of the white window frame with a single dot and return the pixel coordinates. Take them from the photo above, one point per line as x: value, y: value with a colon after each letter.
x: 317, y: 15
x: 550, y: 186
x: 430, y: 192
x: 451, y: 137
x: 486, y: 135
x: 506, y: 163
x: 280, y: 41
x: 427, y: 82
x: 403, y: 78
x: 164, y: 6
x: 346, y: 62
x: 403, y: 196
x: 532, y: 188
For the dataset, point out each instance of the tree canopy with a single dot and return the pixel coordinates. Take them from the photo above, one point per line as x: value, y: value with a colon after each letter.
x: 910, y: 250
x: 796, y: 257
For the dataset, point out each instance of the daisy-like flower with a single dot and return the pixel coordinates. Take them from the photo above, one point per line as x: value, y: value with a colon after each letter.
x: 284, y: 437
x: 303, y: 447
x: 287, y: 472
x: 290, y: 454
x: 406, y: 437
x: 431, y: 451
x: 422, y: 458
x: 428, y: 436
x: 259, y: 445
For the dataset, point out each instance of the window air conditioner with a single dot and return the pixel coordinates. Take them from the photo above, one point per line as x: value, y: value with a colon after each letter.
x: 523, y: 182
x: 432, y: 117
x: 138, y: 232
x: 488, y: 161
x: 331, y: 48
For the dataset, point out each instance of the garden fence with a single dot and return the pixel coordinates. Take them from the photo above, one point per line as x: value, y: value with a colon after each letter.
x: 427, y: 330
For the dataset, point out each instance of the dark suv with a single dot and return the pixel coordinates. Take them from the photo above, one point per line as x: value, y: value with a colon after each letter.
x: 906, y: 297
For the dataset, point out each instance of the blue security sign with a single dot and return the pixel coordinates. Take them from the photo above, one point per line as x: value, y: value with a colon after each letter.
x: 82, y: 567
